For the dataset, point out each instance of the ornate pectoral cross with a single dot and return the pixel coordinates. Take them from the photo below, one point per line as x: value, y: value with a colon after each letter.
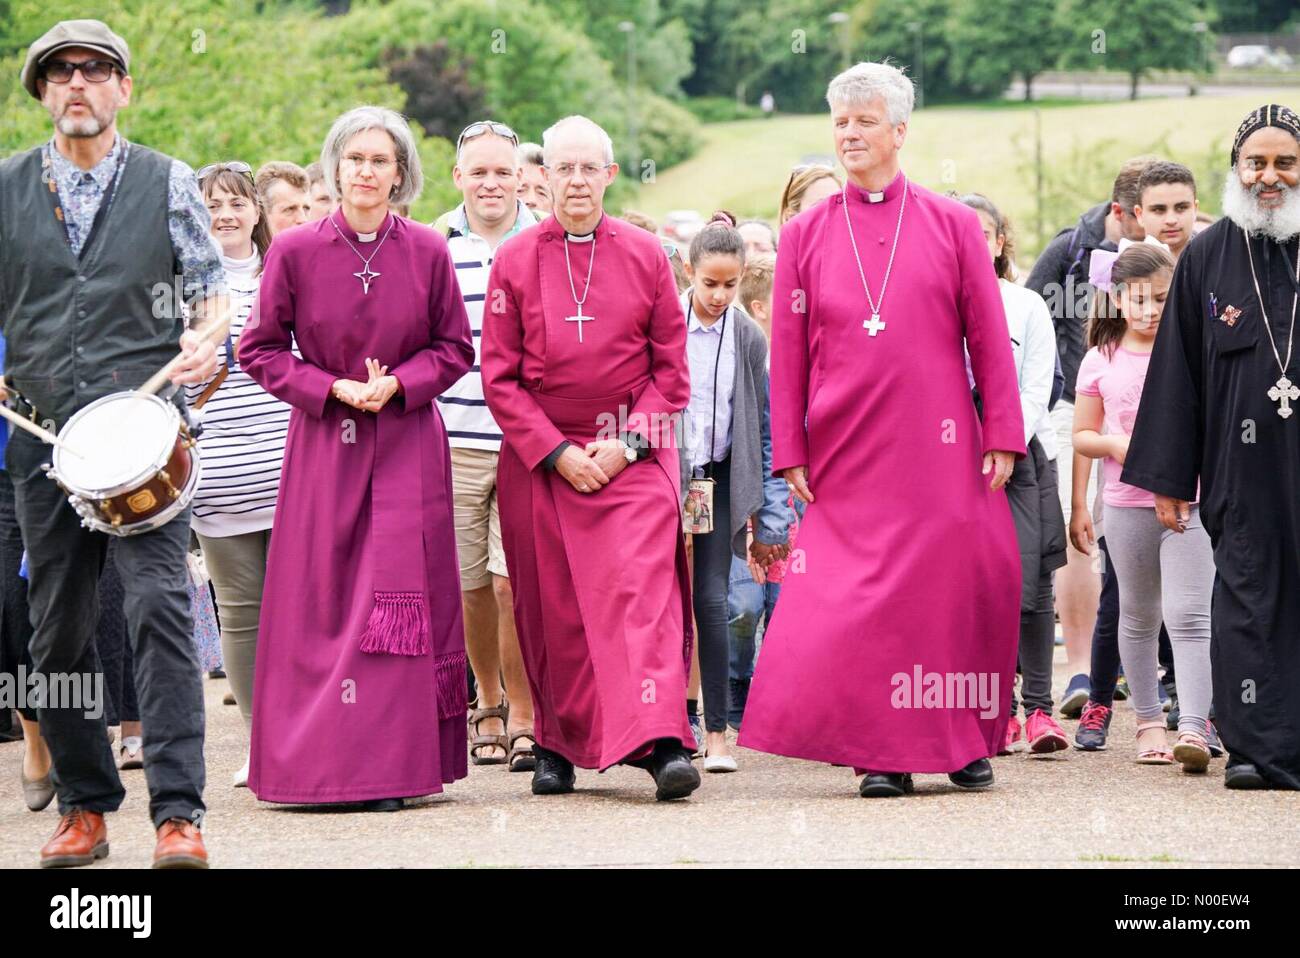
x: 579, y: 319
x: 366, y: 275
x: 873, y: 324
x: 1285, y: 392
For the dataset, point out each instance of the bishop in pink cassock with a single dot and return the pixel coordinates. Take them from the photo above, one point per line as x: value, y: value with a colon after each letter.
x: 602, y: 600
x: 894, y: 643
x: 360, y: 687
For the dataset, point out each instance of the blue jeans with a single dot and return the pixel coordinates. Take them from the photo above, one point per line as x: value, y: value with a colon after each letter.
x: 749, y: 604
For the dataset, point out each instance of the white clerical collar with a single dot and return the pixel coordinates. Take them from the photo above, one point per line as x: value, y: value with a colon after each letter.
x: 584, y: 237
x: 367, y: 237
x: 892, y: 190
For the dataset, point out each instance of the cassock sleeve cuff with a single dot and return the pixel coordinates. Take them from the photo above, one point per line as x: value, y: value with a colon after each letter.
x: 554, y: 457
x: 1160, y: 485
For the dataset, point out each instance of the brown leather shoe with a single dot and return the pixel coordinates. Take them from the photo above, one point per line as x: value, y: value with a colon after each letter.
x: 180, y: 845
x: 80, y: 838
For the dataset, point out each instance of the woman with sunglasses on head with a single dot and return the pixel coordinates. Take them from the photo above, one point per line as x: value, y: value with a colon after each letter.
x: 242, y: 442
x: 360, y: 689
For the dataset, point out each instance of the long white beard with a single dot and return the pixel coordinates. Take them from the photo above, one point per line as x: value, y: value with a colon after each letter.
x: 1241, y: 205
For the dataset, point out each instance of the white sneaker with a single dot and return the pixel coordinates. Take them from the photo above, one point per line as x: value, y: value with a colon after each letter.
x: 719, y: 763
x: 241, y: 777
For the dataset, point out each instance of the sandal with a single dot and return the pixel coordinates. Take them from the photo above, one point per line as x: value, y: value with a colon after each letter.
x: 521, y: 757
x: 1192, y: 752
x: 480, y: 742
x: 1158, y: 755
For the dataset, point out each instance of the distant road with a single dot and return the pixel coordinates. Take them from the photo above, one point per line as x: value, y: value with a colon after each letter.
x: 1108, y: 90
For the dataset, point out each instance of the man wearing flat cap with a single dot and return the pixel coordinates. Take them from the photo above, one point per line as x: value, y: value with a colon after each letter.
x: 92, y: 228
x: 1219, y: 410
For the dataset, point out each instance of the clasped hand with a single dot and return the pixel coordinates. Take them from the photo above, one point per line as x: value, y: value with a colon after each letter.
x: 370, y: 396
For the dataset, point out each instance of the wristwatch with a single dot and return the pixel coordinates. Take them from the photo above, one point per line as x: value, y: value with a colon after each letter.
x: 635, y: 446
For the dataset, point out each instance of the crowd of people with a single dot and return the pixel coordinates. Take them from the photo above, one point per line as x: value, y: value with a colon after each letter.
x: 523, y: 486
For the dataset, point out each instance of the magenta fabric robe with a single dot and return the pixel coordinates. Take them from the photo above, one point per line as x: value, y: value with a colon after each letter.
x: 601, y: 588
x: 364, y: 508
x: 905, y: 557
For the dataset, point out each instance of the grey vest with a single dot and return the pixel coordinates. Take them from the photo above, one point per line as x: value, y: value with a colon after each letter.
x: 78, y: 329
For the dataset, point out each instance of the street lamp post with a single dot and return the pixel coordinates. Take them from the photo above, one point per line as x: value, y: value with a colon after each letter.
x: 1201, y: 29
x: 841, y: 20
x: 919, y: 53
x: 628, y: 27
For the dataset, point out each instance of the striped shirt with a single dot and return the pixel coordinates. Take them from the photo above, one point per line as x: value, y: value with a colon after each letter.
x: 244, y: 427
x: 468, y: 420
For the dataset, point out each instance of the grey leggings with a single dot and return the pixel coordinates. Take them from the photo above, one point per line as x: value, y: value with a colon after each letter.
x: 1165, y: 575
x: 237, y: 565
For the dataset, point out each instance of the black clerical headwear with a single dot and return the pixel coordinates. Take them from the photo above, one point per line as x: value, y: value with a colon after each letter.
x: 1272, y: 114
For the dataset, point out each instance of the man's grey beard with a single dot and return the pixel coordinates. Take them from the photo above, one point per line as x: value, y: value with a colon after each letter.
x: 92, y: 125
x: 1241, y: 205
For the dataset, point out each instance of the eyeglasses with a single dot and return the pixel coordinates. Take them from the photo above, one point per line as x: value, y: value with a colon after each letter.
x: 378, y: 164
x: 483, y: 126
x: 94, y: 71
x: 234, y: 166
x: 589, y: 170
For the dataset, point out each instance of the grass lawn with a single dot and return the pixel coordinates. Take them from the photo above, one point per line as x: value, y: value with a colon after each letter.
x: 983, y: 148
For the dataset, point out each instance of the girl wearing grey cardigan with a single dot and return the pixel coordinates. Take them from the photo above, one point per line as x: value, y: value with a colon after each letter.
x: 725, y: 443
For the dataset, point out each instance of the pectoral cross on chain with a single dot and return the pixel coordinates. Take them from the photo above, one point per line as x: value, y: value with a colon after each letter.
x: 873, y: 324
x: 579, y: 319
x: 1285, y: 392
x: 366, y: 276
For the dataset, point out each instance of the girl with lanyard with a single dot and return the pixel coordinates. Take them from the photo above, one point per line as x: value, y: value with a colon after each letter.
x: 242, y: 443
x: 723, y: 462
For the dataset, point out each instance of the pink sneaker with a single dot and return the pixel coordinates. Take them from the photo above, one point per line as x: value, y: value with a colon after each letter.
x: 1014, y: 742
x: 1044, y: 734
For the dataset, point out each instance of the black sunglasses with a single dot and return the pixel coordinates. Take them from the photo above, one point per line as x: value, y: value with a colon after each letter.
x: 234, y: 166
x: 481, y: 127
x: 95, y: 71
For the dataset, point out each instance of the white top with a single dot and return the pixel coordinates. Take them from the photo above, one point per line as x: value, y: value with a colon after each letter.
x: 242, y: 443
x: 469, y: 422
x: 702, y: 352
x: 1033, y: 344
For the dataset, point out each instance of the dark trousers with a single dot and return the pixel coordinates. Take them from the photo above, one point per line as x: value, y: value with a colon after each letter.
x: 1104, y: 668
x: 712, y: 577
x: 114, y: 651
x: 15, y: 623
x: 64, y: 566
x: 1037, y: 645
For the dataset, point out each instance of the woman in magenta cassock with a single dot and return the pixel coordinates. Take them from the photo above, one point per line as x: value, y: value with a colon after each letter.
x: 894, y: 644
x: 359, y: 687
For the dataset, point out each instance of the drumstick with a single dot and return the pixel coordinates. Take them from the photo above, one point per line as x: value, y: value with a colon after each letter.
x: 22, y: 422
x: 211, y: 333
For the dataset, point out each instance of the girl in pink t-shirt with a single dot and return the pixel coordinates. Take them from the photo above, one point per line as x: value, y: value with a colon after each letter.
x: 1162, y: 573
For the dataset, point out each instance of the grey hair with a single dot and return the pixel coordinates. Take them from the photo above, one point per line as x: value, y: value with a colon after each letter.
x: 863, y: 82
x: 364, y: 118
x: 606, y: 143
x: 529, y: 154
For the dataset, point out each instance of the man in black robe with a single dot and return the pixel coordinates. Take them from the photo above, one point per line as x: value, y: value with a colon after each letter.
x: 1220, y: 406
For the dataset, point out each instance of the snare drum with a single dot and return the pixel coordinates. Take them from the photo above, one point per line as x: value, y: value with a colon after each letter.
x: 130, y: 466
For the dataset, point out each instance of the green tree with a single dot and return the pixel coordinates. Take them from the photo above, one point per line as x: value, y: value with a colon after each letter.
x: 216, y: 80
x: 995, y: 42
x: 1134, y: 38
x: 661, y: 42
x: 902, y: 29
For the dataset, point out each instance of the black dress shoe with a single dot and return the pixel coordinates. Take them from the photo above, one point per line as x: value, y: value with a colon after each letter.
x: 885, y: 784
x: 383, y: 805
x: 674, y: 775
x: 553, y: 773
x: 1243, y: 776
x: 978, y: 774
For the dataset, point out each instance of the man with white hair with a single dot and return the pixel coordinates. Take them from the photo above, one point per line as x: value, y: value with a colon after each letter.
x: 584, y: 369
x: 894, y: 650
x: 1218, y: 407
